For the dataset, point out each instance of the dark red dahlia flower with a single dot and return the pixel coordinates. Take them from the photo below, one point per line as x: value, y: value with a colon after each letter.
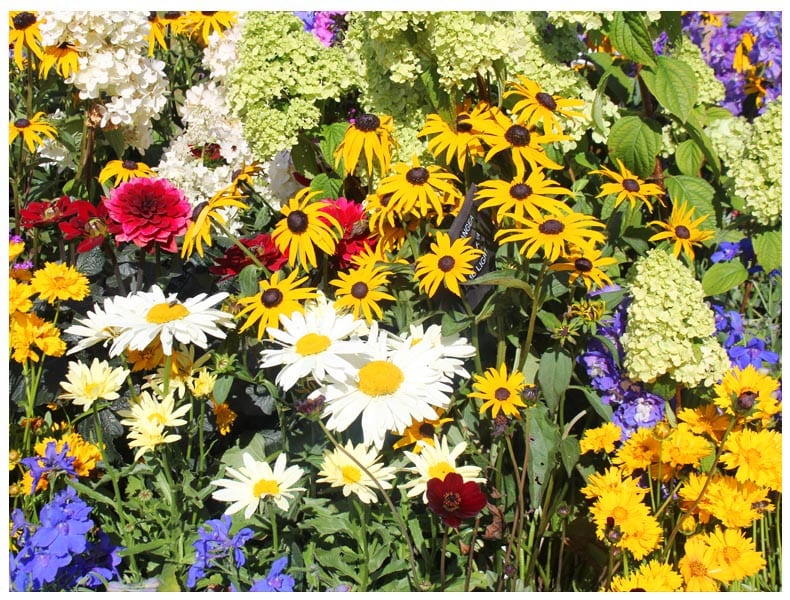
x: 41, y: 214
x: 87, y: 222
x: 235, y: 260
x: 453, y: 500
x: 148, y: 212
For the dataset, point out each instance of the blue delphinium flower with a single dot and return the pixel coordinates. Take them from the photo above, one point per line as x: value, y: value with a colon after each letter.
x: 638, y: 408
x: 51, y: 463
x: 308, y: 18
x: 600, y: 366
x: 753, y: 353
x: 725, y: 251
x: 276, y: 580
x: 215, y: 544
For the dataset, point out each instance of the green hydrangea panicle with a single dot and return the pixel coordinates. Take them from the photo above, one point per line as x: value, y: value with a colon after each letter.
x: 710, y: 91
x: 670, y: 329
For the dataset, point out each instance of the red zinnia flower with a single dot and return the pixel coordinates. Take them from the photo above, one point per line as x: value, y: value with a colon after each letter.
x: 149, y: 212
x: 356, y: 235
x: 40, y: 214
x: 235, y: 260
x: 454, y: 500
x: 86, y: 221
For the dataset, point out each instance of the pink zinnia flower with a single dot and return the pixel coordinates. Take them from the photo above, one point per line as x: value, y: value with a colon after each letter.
x: 149, y: 212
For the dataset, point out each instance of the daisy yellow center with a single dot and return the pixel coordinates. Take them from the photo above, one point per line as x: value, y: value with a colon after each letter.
x: 551, y: 227
x: 620, y: 514
x: 440, y: 470
x: 157, y: 417
x: 351, y: 474
x: 312, y: 343
x: 264, y: 487
x: 379, y: 378
x: 546, y: 100
x: 165, y: 312
x: 682, y: 232
x: 630, y: 185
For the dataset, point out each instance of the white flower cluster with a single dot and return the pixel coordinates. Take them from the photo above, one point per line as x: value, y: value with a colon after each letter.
x: 220, y: 55
x: 670, y: 329
x: 113, y: 63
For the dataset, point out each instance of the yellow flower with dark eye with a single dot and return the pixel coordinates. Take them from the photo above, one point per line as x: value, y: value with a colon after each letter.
x: 374, y: 135
x: 457, y: 140
x: 523, y: 197
x: 584, y: 262
x: 524, y: 144
x: 500, y: 391
x: 156, y: 35
x: 628, y: 186
x: 536, y: 106
x: 419, y: 190
x: 421, y: 431
x: 24, y: 33
x: 683, y: 230
x: 447, y: 263
x: 360, y: 290
x: 553, y: 234
x: 305, y: 226
x: 199, y: 231
x: 31, y: 131
x: 64, y: 57
x: 201, y: 24
x: 124, y: 170
x: 275, y: 298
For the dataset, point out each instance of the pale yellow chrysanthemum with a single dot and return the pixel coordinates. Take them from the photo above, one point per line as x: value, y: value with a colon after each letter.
x: 85, y: 384
x: 339, y: 470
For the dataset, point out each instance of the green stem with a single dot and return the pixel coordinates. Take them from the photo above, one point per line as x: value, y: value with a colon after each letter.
x: 275, y: 532
x: 247, y: 252
x: 537, y: 294
x: 470, y: 559
x: 364, y: 573
x: 442, y: 559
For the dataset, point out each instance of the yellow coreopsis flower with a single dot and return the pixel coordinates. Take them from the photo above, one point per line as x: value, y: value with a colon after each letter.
x: 601, y: 439
x: 28, y: 333
x: 56, y: 282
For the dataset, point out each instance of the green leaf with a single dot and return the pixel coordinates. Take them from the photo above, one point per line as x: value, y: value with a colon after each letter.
x: 569, y: 453
x: 222, y: 388
x: 768, y: 248
x: 696, y: 192
x: 544, y: 442
x: 503, y: 277
x: 90, y: 263
x: 637, y: 142
x: 115, y: 138
x: 689, y: 157
x: 722, y: 277
x: 249, y: 280
x: 330, y: 186
x: 554, y: 376
x: 331, y: 136
x: 671, y: 23
x: 303, y: 157
x: 603, y: 410
x: 674, y: 85
x: 694, y: 129
x: 629, y: 35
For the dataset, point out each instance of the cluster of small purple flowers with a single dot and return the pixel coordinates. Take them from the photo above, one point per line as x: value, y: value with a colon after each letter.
x: 214, y: 545
x: 62, y: 552
x: 323, y: 24
x: 52, y: 463
x: 633, y: 406
x: 759, y: 37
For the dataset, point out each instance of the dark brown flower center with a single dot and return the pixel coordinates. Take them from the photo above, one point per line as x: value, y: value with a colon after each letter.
x: 451, y: 501
x: 152, y: 16
x: 385, y: 200
x: 129, y: 165
x: 21, y: 123
x: 359, y: 290
x: 208, y: 13
x: 297, y: 221
x: 520, y: 191
x: 746, y: 400
x: 172, y: 14
x: 630, y: 185
x: 446, y: 263
x: 462, y: 123
x: 427, y: 430
x: 367, y: 122
x: 551, y: 227
x: 583, y: 265
x: 502, y: 394
x: 682, y: 232
x: 271, y: 297
x: 546, y: 100
x: 24, y: 20
x: 517, y: 135
x: 417, y: 175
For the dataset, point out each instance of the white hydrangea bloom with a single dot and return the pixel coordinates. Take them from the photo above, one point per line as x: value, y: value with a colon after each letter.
x: 220, y: 55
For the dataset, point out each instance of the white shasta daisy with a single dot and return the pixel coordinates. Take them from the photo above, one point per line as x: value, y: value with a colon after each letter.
x: 453, y: 348
x: 338, y: 469
x: 437, y: 460
x: 100, y: 325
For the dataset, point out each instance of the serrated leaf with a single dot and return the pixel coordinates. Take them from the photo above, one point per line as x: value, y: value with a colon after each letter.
x: 329, y: 185
x: 630, y: 36
x: 722, y: 277
x: 331, y: 136
x: 636, y: 141
x: 544, y: 441
x: 249, y: 280
x: 697, y: 193
x: 689, y: 157
x: 768, y: 248
x: 554, y: 376
x: 674, y: 85
x: 694, y: 129
x: 569, y: 453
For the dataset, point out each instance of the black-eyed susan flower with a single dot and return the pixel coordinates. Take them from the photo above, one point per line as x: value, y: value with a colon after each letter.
x: 500, y: 391
x: 418, y: 189
x: 683, y: 230
x: 156, y: 35
x: 124, y: 170
x: 628, y: 186
x: 421, y: 432
x: 275, y: 298
x: 201, y: 24
x: 553, y: 234
x: 24, y: 33
x: 458, y: 140
x: 64, y: 57
x: 536, y: 106
x: 305, y: 226
x: 523, y: 196
x: 360, y: 290
x: 448, y: 263
x: 31, y: 131
x: 244, y: 177
x: 199, y: 230
x: 525, y: 145
x: 747, y: 391
x: 585, y: 263
x: 372, y: 134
